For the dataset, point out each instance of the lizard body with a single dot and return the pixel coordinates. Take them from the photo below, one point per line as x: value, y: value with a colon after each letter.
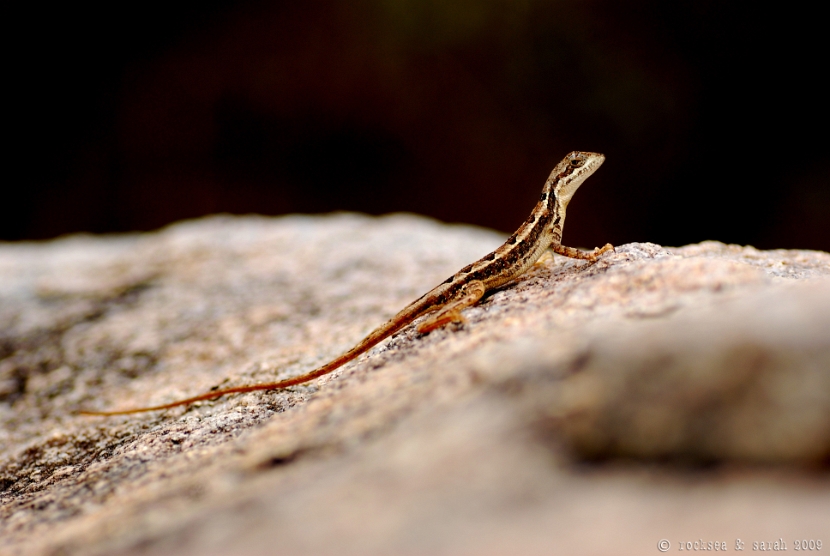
x: 541, y: 231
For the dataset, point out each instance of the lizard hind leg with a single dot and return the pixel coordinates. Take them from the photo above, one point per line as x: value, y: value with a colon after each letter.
x: 451, y: 311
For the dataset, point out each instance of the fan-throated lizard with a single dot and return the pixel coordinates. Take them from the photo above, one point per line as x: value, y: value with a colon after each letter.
x: 542, y: 230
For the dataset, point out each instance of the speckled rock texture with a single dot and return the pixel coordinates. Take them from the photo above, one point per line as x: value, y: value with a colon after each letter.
x: 661, y: 393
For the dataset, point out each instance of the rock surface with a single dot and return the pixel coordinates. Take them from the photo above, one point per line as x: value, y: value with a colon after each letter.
x: 679, y: 394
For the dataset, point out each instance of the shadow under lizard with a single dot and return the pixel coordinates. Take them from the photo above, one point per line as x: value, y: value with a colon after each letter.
x: 444, y: 303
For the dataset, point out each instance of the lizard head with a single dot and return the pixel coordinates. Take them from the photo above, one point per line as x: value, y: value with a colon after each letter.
x: 569, y: 174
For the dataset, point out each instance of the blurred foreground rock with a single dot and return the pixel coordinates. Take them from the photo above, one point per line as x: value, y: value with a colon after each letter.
x: 679, y: 394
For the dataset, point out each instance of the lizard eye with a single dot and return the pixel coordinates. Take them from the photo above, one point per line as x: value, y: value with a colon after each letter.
x: 577, y: 162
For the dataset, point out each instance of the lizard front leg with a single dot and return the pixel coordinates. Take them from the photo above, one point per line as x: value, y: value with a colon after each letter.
x: 577, y: 254
x: 451, y: 312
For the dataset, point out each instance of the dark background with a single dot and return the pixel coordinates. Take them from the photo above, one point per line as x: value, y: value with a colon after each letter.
x: 713, y: 114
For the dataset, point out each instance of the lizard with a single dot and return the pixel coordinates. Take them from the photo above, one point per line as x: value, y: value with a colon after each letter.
x: 443, y: 304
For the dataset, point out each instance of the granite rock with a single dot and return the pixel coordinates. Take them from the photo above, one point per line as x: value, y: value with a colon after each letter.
x: 677, y: 393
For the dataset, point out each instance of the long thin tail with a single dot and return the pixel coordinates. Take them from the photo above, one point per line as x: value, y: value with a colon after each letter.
x: 219, y: 393
x: 393, y: 325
